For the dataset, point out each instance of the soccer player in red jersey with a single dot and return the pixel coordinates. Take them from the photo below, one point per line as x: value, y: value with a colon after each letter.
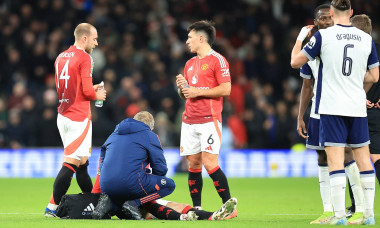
x: 206, y: 80
x: 73, y: 77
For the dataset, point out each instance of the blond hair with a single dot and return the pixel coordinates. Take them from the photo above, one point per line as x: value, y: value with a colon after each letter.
x: 362, y: 22
x: 83, y: 29
x: 146, y: 118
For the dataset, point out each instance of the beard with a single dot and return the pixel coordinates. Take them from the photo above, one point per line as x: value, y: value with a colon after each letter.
x: 88, y: 49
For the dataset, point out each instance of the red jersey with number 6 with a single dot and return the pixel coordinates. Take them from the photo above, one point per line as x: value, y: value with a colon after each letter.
x: 205, y: 73
x: 71, y: 66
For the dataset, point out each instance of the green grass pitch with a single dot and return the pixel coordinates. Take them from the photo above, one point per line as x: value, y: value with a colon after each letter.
x: 263, y: 202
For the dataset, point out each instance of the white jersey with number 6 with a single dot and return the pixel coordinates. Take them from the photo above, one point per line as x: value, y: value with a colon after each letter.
x: 345, y: 55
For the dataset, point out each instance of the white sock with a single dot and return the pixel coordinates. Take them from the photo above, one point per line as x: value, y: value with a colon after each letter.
x: 353, y: 174
x: 368, y: 183
x: 338, y: 190
x: 324, y: 188
x: 52, y: 207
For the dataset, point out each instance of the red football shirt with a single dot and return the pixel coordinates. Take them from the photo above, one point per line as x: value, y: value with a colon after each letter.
x: 205, y: 73
x: 71, y: 66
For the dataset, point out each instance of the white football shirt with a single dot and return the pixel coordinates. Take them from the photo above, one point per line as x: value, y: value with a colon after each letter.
x: 345, y: 55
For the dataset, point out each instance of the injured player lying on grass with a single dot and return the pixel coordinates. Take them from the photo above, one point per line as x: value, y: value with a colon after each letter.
x: 161, y: 209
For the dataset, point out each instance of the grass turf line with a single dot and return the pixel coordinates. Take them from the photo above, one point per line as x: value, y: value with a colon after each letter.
x: 263, y: 202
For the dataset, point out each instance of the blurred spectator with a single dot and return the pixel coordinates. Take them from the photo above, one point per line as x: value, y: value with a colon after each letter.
x: 47, y: 131
x: 3, y: 122
x: 165, y: 130
x: 18, y: 93
x: 29, y: 118
x: 16, y: 132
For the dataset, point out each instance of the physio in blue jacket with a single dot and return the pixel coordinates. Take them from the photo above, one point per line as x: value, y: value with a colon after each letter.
x: 124, y: 158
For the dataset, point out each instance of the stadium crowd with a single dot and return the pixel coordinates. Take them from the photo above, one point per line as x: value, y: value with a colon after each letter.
x: 141, y: 50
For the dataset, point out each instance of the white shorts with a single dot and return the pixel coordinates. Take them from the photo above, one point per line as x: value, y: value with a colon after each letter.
x: 76, y: 137
x: 196, y: 138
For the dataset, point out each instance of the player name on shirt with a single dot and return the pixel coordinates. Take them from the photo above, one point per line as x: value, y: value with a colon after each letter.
x: 348, y: 37
x: 66, y: 55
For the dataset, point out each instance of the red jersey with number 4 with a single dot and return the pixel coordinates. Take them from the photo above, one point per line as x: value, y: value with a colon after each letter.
x: 71, y: 66
x: 205, y: 73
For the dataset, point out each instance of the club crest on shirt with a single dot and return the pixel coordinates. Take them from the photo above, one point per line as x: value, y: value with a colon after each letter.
x: 311, y: 42
x: 163, y: 181
x: 204, y: 67
x: 194, y: 80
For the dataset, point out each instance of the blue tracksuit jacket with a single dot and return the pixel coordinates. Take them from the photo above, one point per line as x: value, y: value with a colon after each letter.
x: 124, y: 156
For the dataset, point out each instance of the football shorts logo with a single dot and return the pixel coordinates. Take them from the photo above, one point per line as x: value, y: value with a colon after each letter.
x: 194, y: 80
x: 311, y: 42
x: 181, y: 149
x: 163, y: 181
x: 204, y: 67
x: 226, y: 72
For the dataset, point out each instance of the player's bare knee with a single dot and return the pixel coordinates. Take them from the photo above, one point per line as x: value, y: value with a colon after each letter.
x: 73, y: 161
x: 348, y: 155
x: 322, y: 157
x: 195, y: 162
x: 84, y: 161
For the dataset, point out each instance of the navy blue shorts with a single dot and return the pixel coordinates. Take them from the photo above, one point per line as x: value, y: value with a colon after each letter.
x: 342, y: 131
x: 312, y: 141
x: 148, y: 185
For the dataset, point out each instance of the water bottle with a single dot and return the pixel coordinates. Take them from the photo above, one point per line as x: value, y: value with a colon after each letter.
x: 99, y: 103
x: 185, y: 85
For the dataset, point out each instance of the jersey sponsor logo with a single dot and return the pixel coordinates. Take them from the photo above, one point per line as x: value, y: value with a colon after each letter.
x: 163, y: 181
x: 194, y: 80
x: 226, y: 72
x: 204, y: 67
x: 311, y: 42
x: 191, y: 68
x: 202, y: 87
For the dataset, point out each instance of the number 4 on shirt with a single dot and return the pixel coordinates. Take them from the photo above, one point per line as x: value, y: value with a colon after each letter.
x: 64, y: 73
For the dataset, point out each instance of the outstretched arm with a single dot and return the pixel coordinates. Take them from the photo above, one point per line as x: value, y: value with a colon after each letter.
x: 306, y: 95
